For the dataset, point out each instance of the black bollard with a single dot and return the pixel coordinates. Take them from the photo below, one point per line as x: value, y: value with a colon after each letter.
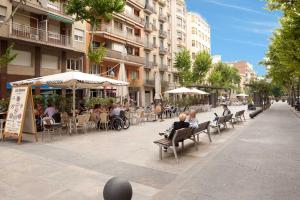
x: 253, y: 114
x: 117, y: 189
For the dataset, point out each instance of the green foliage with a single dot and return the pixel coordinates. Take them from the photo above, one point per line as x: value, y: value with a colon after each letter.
x: 8, y: 56
x: 224, y: 76
x: 201, y: 66
x: 90, y: 102
x: 183, y: 64
x: 4, y: 103
x: 97, y: 54
x: 261, y: 87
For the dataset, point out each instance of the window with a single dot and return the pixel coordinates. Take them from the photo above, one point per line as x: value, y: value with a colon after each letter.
x: 193, y: 56
x: 74, y: 64
x: 96, y: 44
x: 194, y: 30
x: 161, y: 60
x: 95, y: 69
x: 134, y: 75
x: 154, y: 41
x: 179, y: 22
x: 169, y: 78
x: 129, y: 31
x: 110, y: 72
x: 2, y: 13
x: 193, y: 43
x: 154, y: 58
x: 147, y: 75
x: 78, y: 35
x: 49, y: 61
x: 23, y: 58
x: 118, y: 25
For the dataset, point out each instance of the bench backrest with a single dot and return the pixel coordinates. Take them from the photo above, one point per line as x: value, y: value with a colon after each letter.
x: 239, y: 113
x: 221, y: 120
x: 228, y: 117
x: 182, y: 134
x: 201, y: 127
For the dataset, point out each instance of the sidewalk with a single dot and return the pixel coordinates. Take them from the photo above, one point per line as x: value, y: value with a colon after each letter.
x: 261, y: 162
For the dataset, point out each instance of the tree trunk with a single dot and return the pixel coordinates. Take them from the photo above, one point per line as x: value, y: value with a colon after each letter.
x: 92, y: 35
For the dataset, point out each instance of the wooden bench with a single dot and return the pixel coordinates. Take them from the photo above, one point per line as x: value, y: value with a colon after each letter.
x: 239, y: 116
x: 219, y: 122
x: 228, y: 119
x: 179, y: 136
x: 203, y: 128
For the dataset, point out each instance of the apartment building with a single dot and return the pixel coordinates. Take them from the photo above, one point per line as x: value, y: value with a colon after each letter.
x: 45, y: 39
x: 198, y: 31
x: 246, y: 71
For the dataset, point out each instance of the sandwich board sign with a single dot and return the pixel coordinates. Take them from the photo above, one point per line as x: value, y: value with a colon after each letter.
x: 20, y: 115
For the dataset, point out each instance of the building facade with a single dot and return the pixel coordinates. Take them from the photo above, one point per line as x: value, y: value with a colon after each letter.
x: 246, y: 72
x: 45, y: 39
x: 198, y: 31
x: 144, y: 39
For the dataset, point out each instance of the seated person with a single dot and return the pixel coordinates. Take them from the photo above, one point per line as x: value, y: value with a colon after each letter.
x: 50, y: 110
x: 177, y: 125
x: 192, y: 119
x: 115, y: 111
x: 81, y: 108
x: 226, y: 110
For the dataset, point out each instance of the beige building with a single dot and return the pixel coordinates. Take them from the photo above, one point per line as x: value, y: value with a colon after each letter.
x: 46, y: 40
x: 198, y: 31
x: 246, y: 71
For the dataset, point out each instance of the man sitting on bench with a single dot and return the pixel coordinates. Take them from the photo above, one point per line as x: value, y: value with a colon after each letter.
x: 169, y: 133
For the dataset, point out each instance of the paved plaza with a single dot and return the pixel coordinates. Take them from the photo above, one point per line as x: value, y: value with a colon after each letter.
x: 258, y: 159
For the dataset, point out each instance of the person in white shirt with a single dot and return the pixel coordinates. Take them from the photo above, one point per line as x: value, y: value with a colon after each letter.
x: 192, y: 119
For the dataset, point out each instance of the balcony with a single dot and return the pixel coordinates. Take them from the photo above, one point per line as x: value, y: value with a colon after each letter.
x: 162, y: 2
x: 135, y: 83
x: 118, y: 32
x: 163, y: 34
x: 163, y: 67
x: 162, y: 17
x: 40, y: 35
x: 149, y: 65
x: 163, y: 50
x: 56, y: 6
x: 155, y: 64
x: 148, y: 46
x: 149, y: 9
x: 149, y: 83
x: 148, y: 27
x: 154, y: 28
x: 133, y: 17
x: 127, y: 58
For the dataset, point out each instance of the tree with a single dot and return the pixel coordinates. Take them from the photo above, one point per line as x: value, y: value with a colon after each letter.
x: 93, y: 11
x: 183, y: 63
x: 224, y: 76
x: 201, y: 66
x: 8, y: 56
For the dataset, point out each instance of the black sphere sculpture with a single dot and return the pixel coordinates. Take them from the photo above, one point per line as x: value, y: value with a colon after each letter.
x: 117, y: 189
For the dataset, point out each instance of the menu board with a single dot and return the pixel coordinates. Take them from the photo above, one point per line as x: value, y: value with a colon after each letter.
x: 20, y: 116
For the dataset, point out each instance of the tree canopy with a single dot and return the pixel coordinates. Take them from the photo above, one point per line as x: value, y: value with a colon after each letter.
x: 224, y: 76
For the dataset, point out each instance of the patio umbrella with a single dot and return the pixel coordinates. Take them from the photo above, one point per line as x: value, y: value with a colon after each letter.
x: 71, y: 79
x: 157, y: 86
x: 181, y: 90
x: 242, y: 95
x: 122, y: 91
x: 196, y: 91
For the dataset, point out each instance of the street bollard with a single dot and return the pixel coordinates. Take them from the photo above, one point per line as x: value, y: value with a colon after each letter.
x: 117, y: 189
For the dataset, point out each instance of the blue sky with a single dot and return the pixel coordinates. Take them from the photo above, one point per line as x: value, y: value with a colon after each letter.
x: 240, y: 29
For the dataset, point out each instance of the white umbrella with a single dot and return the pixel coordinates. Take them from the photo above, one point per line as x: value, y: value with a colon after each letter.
x: 181, y: 90
x: 122, y: 91
x: 196, y: 91
x: 157, y: 86
x: 71, y: 79
x: 242, y: 95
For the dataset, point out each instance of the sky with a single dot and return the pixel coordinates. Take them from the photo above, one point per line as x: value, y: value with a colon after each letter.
x: 240, y: 29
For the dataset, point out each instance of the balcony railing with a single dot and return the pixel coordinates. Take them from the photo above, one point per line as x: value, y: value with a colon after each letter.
x: 163, y: 34
x: 133, y: 17
x: 149, y: 65
x: 163, y: 67
x: 121, y: 33
x: 162, y: 17
x: 148, y: 27
x: 148, y: 45
x: 150, y: 82
x: 149, y: 8
x: 155, y: 64
x: 162, y: 50
x: 56, y: 6
x: 118, y: 55
x: 40, y: 35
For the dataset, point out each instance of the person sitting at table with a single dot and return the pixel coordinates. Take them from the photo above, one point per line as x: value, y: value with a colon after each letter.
x: 81, y: 108
x: 38, y: 112
x: 115, y: 111
x: 192, y: 119
x: 50, y: 110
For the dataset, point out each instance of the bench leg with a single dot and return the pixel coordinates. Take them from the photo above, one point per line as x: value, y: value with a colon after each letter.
x: 198, y: 138
x: 218, y: 128
x: 195, y: 142
x: 175, y: 153
x: 231, y: 123
x: 160, y: 152
x: 208, y: 134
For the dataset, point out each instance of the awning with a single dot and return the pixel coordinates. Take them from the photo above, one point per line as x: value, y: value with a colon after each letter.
x: 43, y: 87
x: 60, y: 18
